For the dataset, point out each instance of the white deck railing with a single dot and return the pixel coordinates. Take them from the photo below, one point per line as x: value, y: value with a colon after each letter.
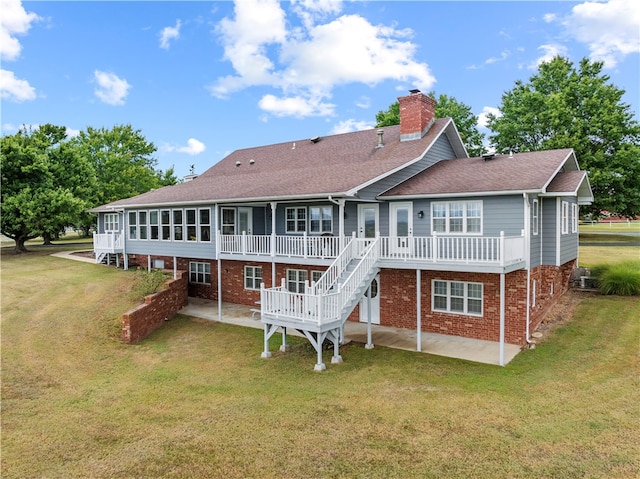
x: 501, y: 250
x: 279, y: 245
x: 488, y: 250
x: 112, y: 242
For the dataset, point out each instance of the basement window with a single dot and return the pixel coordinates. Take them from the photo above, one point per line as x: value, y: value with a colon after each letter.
x: 199, y: 273
x: 457, y: 297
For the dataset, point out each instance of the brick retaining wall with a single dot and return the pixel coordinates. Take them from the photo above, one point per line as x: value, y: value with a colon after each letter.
x: 142, y: 320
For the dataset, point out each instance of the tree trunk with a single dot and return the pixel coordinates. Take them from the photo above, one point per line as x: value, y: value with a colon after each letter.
x: 47, y: 239
x: 20, y: 248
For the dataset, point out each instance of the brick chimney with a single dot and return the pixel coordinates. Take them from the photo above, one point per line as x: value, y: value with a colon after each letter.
x: 417, y: 113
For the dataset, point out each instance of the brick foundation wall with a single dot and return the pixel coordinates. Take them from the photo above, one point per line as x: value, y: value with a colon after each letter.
x: 141, y: 321
x: 398, y: 296
x: 398, y: 302
x: 551, y: 283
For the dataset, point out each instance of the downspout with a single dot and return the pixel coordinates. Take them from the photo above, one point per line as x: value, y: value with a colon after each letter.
x: 527, y: 259
x: 216, y: 218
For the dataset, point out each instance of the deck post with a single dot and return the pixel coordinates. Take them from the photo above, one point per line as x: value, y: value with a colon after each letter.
x: 369, y: 344
x: 502, y: 302
x: 320, y: 366
x: 284, y: 347
x: 273, y: 231
x: 418, y: 312
x: 336, y: 359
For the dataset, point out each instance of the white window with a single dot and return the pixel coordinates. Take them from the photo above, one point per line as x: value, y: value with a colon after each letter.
x: 199, y: 273
x: 296, y: 220
x: 565, y: 218
x: 296, y: 280
x: 142, y: 225
x: 178, y: 227
x: 316, y: 275
x: 205, y: 224
x: 535, y: 214
x: 321, y: 219
x: 153, y: 224
x: 191, y: 225
x: 457, y: 297
x: 574, y: 217
x: 252, y: 277
x: 457, y: 217
x: 112, y: 222
x: 165, y: 221
x: 133, y: 225
x: 228, y: 221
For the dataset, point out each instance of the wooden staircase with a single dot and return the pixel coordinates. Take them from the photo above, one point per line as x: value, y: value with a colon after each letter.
x: 320, y: 312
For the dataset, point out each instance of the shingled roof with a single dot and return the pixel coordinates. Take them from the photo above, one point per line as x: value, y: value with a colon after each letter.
x: 333, y: 165
x: 499, y: 174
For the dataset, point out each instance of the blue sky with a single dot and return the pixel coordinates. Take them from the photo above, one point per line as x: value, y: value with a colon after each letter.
x: 201, y: 79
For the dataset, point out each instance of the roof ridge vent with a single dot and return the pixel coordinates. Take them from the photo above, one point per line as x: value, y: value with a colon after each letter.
x: 315, y: 139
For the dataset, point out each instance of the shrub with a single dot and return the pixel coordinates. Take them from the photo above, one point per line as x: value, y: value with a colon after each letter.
x: 148, y: 282
x: 622, y: 279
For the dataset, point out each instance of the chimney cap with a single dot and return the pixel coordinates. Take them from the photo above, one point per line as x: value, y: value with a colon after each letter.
x: 414, y: 91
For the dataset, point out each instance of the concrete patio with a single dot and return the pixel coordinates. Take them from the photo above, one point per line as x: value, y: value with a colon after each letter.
x: 476, y: 350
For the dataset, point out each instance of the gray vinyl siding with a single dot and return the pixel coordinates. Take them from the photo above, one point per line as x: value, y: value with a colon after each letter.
x: 550, y: 225
x: 182, y: 249
x: 440, y: 150
x: 535, y: 240
x: 569, y: 241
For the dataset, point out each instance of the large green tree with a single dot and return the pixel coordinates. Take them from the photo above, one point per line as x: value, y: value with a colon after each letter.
x: 44, y: 184
x: 563, y: 106
x: 447, y: 106
x: 124, y: 164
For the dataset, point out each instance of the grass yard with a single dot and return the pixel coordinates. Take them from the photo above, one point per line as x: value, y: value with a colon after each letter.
x: 196, y: 400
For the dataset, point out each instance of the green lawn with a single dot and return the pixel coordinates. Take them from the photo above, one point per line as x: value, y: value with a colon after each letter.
x: 196, y: 400
x: 611, y: 227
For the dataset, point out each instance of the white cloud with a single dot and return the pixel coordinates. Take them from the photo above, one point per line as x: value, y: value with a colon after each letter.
x: 169, y: 33
x: 111, y: 89
x: 349, y: 125
x: 13, y: 21
x: 298, y: 106
x: 549, y: 17
x: 550, y: 51
x: 503, y: 56
x: 483, y: 119
x: 193, y: 147
x: 15, y: 89
x: 610, y: 29
x: 305, y: 63
x: 72, y: 132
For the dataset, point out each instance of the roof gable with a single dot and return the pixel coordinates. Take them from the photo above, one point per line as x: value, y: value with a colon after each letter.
x: 522, y: 172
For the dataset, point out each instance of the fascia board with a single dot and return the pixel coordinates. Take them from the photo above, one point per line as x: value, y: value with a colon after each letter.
x: 459, y: 195
x: 571, y: 154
